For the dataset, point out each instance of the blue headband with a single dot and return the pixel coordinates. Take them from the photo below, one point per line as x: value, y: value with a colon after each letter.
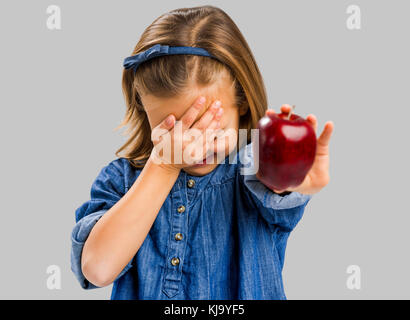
x: 159, y: 50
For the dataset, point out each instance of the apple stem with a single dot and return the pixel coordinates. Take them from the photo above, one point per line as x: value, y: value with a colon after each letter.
x: 291, y: 111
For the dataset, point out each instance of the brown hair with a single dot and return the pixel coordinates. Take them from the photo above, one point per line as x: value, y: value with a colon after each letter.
x: 206, y: 27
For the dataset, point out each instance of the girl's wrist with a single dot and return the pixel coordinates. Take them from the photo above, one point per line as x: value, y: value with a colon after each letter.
x: 163, y: 167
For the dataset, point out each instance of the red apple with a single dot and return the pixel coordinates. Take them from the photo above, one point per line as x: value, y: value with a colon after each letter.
x: 287, y: 149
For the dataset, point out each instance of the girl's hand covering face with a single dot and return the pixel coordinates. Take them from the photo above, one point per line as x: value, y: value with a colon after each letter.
x: 182, y: 143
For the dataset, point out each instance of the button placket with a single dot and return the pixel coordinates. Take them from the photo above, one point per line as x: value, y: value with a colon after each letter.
x: 176, y: 244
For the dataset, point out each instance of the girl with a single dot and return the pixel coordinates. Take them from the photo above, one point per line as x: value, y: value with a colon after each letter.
x: 182, y: 230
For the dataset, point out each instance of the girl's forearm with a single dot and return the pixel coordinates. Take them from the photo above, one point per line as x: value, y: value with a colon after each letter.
x: 118, y: 235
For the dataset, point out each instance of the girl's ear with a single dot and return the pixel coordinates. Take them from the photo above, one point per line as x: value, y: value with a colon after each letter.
x: 243, y: 109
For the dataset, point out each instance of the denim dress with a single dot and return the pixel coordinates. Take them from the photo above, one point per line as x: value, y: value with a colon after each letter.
x: 218, y: 236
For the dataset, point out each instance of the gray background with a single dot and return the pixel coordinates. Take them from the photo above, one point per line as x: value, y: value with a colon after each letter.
x: 61, y: 99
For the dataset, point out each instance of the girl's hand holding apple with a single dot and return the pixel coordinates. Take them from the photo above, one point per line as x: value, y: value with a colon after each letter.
x: 303, y: 165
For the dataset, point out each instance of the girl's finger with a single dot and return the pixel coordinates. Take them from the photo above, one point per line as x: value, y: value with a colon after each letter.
x: 269, y: 112
x: 200, y: 149
x: 189, y: 117
x: 167, y: 123
x: 324, y: 138
x: 213, y: 127
x: 162, y: 129
x: 285, y: 108
x: 206, y: 140
x: 213, y: 147
x: 311, y: 118
x: 211, y: 131
x: 207, y: 117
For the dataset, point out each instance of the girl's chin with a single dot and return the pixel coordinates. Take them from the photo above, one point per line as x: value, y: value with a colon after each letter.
x: 201, y: 169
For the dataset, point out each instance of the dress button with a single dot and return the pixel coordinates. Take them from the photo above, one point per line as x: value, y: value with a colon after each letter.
x: 181, y: 209
x: 178, y: 236
x: 175, y: 261
x: 191, y: 183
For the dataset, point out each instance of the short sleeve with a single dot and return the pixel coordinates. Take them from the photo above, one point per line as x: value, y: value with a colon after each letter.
x: 281, y: 211
x: 106, y: 190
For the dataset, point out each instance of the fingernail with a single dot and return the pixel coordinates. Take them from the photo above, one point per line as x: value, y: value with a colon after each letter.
x: 215, y: 106
x: 220, y: 111
x: 168, y: 121
x: 202, y: 100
